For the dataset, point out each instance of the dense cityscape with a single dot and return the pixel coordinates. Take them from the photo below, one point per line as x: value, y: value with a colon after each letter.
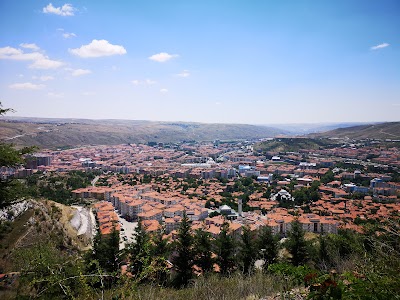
x: 208, y: 150
x: 350, y: 185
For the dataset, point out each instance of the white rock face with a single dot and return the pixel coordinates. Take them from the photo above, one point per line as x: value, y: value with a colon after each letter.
x: 80, y: 221
x: 76, y: 220
x: 13, y: 211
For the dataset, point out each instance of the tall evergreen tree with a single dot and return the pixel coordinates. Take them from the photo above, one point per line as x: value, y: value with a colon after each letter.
x: 159, y: 245
x: 323, y: 252
x: 297, y: 245
x: 247, y: 250
x: 139, y: 251
x: 113, y: 249
x: 203, y: 250
x: 267, y: 245
x: 159, y: 251
x: 106, y: 250
x: 225, y: 250
x: 183, y: 259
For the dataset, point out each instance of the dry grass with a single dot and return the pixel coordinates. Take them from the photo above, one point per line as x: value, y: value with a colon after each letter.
x: 109, y: 132
x: 259, y: 286
x: 19, y: 229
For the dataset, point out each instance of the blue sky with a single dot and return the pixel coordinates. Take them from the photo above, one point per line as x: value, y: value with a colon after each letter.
x: 256, y: 62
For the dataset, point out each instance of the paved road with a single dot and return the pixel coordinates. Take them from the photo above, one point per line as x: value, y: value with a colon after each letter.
x: 129, y: 229
x: 95, y: 180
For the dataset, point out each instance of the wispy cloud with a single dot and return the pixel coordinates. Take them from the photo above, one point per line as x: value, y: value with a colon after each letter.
x: 29, y: 46
x: 55, y: 95
x: 43, y: 78
x: 184, y: 73
x: 162, y: 57
x: 163, y: 91
x: 68, y: 35
x: 144, y: 82
x: 80, y: 72
x: 380, y: 46
x: 26, y: 86
x: 98, y: 48
x: 45, y: 64
x: 67, y: 10
x: 88, y: 93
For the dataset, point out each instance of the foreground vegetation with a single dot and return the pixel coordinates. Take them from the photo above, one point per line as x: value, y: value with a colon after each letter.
x: 343, y: 266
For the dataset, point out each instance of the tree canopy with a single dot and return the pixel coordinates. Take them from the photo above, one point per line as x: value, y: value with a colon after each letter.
x: 10, y: 189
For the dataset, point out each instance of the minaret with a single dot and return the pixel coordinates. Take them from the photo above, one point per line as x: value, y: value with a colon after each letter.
x: 240, y: 207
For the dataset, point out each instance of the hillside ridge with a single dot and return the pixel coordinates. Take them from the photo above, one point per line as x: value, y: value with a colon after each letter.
x: 387, y: 130
x: 59, y: 133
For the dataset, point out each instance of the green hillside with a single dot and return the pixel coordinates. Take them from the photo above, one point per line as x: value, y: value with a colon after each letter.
x: 291, y: 144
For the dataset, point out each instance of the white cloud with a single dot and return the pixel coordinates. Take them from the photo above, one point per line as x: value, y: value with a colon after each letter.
x: 46, y: 63
x: 98, y: 48
x: 380, y: 46
x: 8, y: 51
x: 80, y: 72
x: 55, y: 95
x: 218, y: 103
x: 150, y: 82
x: 43, y: 78
x: 65, y: 10
x: 88, y: 93
x: 162, y: 57
x: 33, y: 47
x: 18, y: 54
x: 184, y: 73
x: 40, y: 61
x: 164, y: 91
x: 144, y: 82
x: 68, y: 35
x: 26, y: 86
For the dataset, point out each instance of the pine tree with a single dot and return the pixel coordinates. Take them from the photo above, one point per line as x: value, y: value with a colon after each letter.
x: 203, y: 250
x: 106, y: 250
x: 247, y: 251
x: 99, y: 250
x: 113, y: 249
x: 157, y: 271
x: 139, y: 251
x: 159, y: 245
x: 297, y: 245
x: 323, y: 253
x: 184, y: 258
x: 267, y: 245
x: 225, y: 250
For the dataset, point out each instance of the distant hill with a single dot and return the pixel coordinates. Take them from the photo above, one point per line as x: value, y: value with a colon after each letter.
x: 307, y: 128
x: 291, y: 144
x: 59, y: 133
x: 390, y: 130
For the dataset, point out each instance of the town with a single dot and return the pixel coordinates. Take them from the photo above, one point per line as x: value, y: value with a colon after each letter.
x: 326, y: 189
